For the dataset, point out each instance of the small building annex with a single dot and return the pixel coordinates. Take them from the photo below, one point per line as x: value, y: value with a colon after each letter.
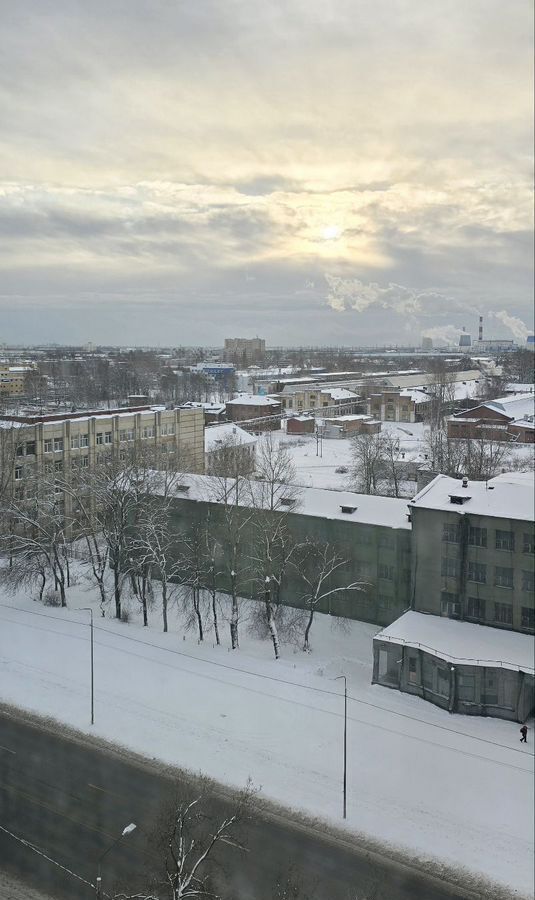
x: 462, y: 667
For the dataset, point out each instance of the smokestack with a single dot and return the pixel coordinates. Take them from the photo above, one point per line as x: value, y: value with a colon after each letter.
x: 481, y: 328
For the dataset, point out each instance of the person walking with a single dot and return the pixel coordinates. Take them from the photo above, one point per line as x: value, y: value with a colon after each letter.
x: 524, y: 733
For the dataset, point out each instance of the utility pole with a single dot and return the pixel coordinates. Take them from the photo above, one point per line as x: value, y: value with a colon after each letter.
x: 345, y: 743
x: 126, y: 831
x: 319, y: 441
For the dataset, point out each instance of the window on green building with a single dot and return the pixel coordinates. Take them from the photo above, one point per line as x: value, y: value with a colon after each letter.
x: 450, y: 533
x: 477, y: 572
x: 503, y: 613
x: 503, y: 577
x: 505, y: 540
x: 477, y: 537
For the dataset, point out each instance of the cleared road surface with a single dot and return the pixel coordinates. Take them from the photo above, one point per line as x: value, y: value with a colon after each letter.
x: 70, y: 800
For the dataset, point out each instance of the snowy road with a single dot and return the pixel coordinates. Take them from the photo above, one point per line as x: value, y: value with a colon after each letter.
x: 71, y: 800
x: 434, y: 785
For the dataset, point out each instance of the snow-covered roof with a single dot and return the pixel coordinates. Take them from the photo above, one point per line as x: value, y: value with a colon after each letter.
x: 417, y: 395
x: 207, y: 407
x: 388, y: 512
x: 524, y: 423
x: 517, y: 406
x: 216, y: 435
x: 339, y: 393
x: 252, y: 400
x: 462, y: 642
x: 514, y: 388
x: 348, y: 418
x: 119, y: 413
x: 508, y: 496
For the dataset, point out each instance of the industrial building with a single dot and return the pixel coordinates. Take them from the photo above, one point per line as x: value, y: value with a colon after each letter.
x: 467, y: 642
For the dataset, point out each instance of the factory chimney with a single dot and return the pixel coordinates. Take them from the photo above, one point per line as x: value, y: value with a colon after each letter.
x: 480, y: 328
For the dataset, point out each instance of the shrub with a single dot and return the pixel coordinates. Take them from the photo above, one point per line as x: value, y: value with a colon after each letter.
x: 52, y: 598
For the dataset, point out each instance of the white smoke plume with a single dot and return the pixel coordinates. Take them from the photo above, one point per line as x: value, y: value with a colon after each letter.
x: 449, y: 334
x: 514, y: 324
x: 351, y: 293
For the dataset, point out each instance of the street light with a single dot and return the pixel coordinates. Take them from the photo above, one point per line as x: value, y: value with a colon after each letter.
x: 345, y: 741
x: 126, y: 831
x: 90, y: 611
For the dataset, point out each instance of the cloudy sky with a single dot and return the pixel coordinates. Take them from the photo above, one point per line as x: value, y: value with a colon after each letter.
x: 311, y: 171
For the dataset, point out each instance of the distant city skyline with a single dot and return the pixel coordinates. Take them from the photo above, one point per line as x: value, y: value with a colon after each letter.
x: 316, y: 173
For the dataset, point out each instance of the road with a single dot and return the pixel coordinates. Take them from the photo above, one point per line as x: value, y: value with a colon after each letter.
x: 71, y: 800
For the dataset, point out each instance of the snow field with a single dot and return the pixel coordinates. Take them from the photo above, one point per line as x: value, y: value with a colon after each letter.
x: 455, y: 789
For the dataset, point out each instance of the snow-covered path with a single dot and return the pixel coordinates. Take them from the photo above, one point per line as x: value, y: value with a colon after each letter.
x: 443, y: 786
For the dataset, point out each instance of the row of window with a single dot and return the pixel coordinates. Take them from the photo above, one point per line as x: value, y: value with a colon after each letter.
x: 476, y: 608
x: 56, y: 445
x: 82, y: 462
x: 477, y: 537
x: 477, y: 572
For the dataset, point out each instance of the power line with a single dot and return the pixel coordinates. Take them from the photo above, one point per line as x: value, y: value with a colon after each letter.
x: 35, y: 849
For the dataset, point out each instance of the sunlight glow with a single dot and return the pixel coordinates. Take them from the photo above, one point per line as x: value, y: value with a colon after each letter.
x: 331, y: 233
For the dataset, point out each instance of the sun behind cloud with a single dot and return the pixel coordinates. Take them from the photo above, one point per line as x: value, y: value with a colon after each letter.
x: 331, y: 232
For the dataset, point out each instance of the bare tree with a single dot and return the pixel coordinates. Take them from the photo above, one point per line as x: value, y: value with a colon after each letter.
x: 483, y: 458
x: 194, y: 841
x: 152, y: 546
x: 230, y: 540
x: 392, y: 456
x: 317, y: 566
x: 276, y: 475
x: 115, y: 502
x: 196, y: 572
x: 444, y: 454
x: 478, y: 458
x: 441, y: 390
x: 27, y: 570
x: 271, y: 551
x: 213, y: 575
x: 231, y: 457
x: 36, y: 536
x: 368, y: 463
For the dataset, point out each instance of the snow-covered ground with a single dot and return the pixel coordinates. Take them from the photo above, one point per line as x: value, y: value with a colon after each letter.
x: 316, y: 465
x: 456, y: 789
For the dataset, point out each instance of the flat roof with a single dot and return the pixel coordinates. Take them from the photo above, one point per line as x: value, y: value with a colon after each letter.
x: 253, y: 400
x: 462, y: 642
x: 388, y: 512
x: 508, y: 496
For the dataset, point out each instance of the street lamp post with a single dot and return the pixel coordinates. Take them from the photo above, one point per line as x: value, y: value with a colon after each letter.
x: 127, y: 830
x: 345, y: 742
x: 90, y: 611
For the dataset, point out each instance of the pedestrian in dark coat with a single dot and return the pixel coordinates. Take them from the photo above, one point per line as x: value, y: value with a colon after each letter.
x: 524, y: 733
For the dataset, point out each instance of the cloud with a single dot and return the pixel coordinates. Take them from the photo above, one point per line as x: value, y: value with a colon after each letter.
x: 190, y: 147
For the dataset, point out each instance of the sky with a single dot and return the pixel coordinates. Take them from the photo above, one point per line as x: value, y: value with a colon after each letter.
x: 315, y: 172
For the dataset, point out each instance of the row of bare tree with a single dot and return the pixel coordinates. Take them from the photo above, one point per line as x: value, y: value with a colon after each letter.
x: 120, y: 521
x: 379, y: 465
